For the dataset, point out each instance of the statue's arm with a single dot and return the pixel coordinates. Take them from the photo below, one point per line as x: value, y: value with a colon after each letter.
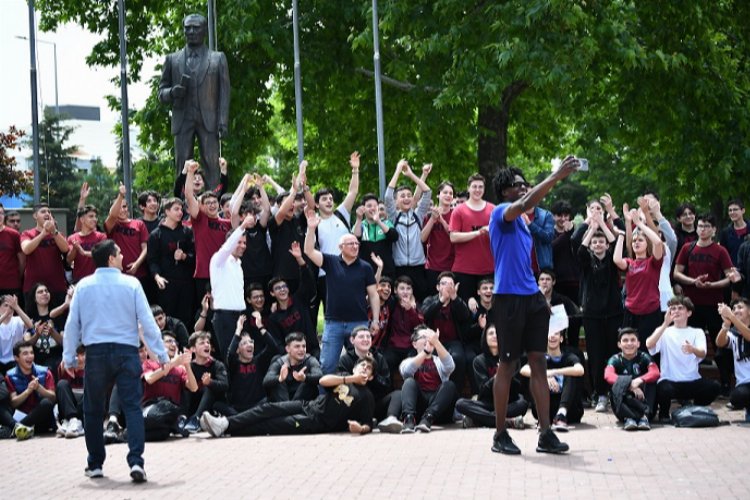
x: 223, y: 94
x: 165, y: 84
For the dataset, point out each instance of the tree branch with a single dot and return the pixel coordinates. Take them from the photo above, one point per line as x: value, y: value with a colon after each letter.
x: 392, y: 82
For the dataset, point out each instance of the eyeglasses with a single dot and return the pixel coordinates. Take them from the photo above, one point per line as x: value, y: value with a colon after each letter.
x: 169, y: 341
x: 520, y: 184
x: 351, y: 244
x: 278, y: 288
x: 259, y: 297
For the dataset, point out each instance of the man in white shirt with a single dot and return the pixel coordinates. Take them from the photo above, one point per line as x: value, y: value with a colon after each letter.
x: 682, y: 348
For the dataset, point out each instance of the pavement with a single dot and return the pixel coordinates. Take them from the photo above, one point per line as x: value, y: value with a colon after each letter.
x: 450, y: 462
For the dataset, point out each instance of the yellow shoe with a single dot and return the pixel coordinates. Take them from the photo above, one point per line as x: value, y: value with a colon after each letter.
x: 23, y: 432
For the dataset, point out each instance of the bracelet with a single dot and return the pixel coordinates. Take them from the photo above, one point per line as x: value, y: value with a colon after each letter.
x: 345, y: 379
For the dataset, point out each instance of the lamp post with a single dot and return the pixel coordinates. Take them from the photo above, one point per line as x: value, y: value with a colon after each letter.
x: 54, y: 51
x: 378, y: 98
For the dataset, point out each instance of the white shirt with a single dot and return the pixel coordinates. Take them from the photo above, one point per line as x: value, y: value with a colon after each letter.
x: 330, y: 231
x: 741, y: 358
x: 10, y: 333
x: 675, y: 365
x: 227, y: 281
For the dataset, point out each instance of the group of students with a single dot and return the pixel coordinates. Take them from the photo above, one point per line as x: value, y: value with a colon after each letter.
x: 254, y: 364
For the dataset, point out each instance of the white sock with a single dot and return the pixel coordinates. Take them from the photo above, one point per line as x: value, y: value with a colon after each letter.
x: 562, y: 411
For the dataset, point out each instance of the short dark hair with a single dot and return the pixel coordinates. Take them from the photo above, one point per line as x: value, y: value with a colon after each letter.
x: 86, y: 209
x: 225, y: 198
x: 446, y: 274
x: 743, y: 300
x: 485, y: 281
x: 168, y: 333
x: 40, y: 206
x: 368, y: 360
x: 143, y: 197
x: 206, y: 195
x: 449, y: 184
x: 736, y: 201
x: 548, y: 271
x: 368, y: 197
x: 561, y: 207
x: 156, y: 310
x: 706, y: 218
x: 628, y: 330
x: 322, y: 192
x: 681, y: 300
x: 248, y: 207
x: 294, y: 337
x: 21, y: 344
x: 681, y: 209
x: 359, y: 328
x: 416, y: 330
x: 102, y: 251
x: 504, y: 179
x: 170, y: 202
x: 403, y: 279
x: 275, y: 281
x: 652, y: 193
x: 476, y: 177
x: 198, y: 335
x: 402, y: 187
x: 386, y: 279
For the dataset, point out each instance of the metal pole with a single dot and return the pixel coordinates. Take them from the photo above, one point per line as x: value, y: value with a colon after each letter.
x: 34, y: 104
x: 378, y: 98
x: 211, y: 26
x: 124, y: 103
x: 57, y: 100
x: 297, y: 84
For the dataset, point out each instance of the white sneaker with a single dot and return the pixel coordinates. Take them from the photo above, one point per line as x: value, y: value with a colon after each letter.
x: 75, y: 428
x: 216, y: 426
x: 601, y: 405
x: 390, y: 425
x: 137, y: 474
x: 62, y: 428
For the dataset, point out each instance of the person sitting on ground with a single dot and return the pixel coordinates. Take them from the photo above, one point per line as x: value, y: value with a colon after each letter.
x: 682, y: 348
x: 174, y: 325
x: 735, y: 333
x: 632, y: 375
x: 69, y: 395
x: 11, y: 330
x: 482, y: 410
x: 163, y: 389
x: 564, y: 372
x: 403, y: 317
x: 345, y: 404
x: 32, y: 392
x: 426, y: 382
x: 211, y: 375
x: 295, y: 375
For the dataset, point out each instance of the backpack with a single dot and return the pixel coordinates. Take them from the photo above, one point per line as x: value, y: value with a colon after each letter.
x: 695, y: 416
x: 414, y: 218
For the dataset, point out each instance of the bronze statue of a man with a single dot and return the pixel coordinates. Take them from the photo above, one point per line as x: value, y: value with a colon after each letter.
x: 195, y: 81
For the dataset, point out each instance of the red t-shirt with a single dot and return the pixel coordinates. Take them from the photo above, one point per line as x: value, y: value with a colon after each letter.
x: 10, y: 246
x: 475, y: 256
x: 711, y: 260
x: 169, y: 386
x: 129, y: 236
x: 427, y: 376
x: 440, y: 251
x: 83, y: 265
x: 44, y: 265
x: 642, y: 284
x: 209, y: 235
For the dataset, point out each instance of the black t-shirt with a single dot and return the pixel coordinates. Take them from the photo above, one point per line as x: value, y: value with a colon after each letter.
x: 339, y: 404
x: 635, y: 367
x: 284, y: 264
x: 257, y: 260
x: 563, y: 361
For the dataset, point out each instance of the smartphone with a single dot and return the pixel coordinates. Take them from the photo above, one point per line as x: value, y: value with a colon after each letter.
x: 583, y: 165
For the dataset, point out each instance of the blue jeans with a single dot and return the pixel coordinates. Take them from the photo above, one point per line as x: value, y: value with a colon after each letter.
x: 335, y: 334
x: 108, y: 364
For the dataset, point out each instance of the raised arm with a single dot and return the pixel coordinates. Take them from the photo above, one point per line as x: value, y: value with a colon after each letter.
x: 315, y: 256
x: 533, y: 197
x: 114, y: 211
x: 351, y: 194
x: 193, y: 207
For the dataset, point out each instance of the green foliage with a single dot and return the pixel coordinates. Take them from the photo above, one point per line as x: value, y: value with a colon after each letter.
x: 103, y: 186
x: 12, y: 182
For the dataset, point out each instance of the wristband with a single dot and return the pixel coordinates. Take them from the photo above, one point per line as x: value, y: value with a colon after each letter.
x: 345, y: 379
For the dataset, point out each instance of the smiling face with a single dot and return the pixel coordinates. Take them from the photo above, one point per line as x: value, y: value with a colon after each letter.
x: 174, y: 213
x: 349, y: 246
x: 679, y: 314
x: 735, y: 212
x: 404, y: 199
x: 362, y: 340
x: 371, y: 208
x: 296, y: 349
x: 210, y: 206
x: 476, y: 190
x: 25, y: 359
x: 246, y: 349
x: 629, y: 345
x: 553, y: 341
x: 202, y: 348
x: 170, y: 343
x: 89, y: 220
x: 687, y: 218
x: 741, y: 310
x: 599, y: 245
x: 384, y: 290
x: 516, y: 190
x: 445, y: 196
x: 325, y: 204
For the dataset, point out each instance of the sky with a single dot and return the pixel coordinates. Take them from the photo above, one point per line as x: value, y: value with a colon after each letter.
x: 78, y: 84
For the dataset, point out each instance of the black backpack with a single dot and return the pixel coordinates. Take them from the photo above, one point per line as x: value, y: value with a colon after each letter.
x: 695, y: 416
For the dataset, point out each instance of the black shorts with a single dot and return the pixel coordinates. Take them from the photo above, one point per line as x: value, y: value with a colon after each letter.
x: 522, y: 324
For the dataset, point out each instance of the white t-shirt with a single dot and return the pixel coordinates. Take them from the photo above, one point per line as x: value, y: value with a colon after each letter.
x: 10, y: 333
x: 675, y: 365
x: 330, y: 231
x: 741, y: 357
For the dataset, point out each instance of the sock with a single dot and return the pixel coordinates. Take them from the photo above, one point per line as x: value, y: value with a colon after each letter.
x: 562, y: 411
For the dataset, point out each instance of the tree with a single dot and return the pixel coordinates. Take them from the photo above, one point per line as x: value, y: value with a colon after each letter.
x: 12, y: 181
x: 102, y: 186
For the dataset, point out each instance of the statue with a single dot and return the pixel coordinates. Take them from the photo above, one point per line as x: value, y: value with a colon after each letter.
x: 195, y: 81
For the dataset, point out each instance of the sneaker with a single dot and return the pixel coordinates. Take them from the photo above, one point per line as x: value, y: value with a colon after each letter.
x: 515, y: 423
x: 458, y: 417
x: 560, y: 423
x: 192, y: 425
x: 502, y: 443
x: 391, y: 425
x: 730, y: 406
x: 425, y: 425
x: 549, y: 443
x: 467, y: 422
x: 179, y: 427
x: 630, y: 424
x: 62, y: 428
x: 409, y: 424
x: 6, y: 432
x: 643, y: 424
x: 216, y: 426
x: 23, y: 432
x: 112, y: 432
x: 137, y: 474
x: 75, y: 428
x: 601, y: 405
x: 93, y: 472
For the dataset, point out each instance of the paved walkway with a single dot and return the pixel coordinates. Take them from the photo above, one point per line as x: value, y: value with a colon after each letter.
x: 605, y: 462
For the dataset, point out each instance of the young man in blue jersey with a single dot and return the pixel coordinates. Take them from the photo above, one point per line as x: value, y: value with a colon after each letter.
x: 518, y: 303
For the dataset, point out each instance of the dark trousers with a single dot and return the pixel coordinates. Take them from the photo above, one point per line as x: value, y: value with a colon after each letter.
x: 280, y: 392
x: 208, y: 142
x: 201, y: 400
x: 439, y: 403
x: 320, y: 297
x: 108, y: 364
x: 225, y: 324
x: 394, y: 357
x: 418, y: 278
x: 388, y: 406
x: 177, y: 301
x: 702, y: 391
x: 644, y: 323
x: 632, y: 407
x: 40, y: 418
x: 740, y: 396
x: 69, y: 404
x: 707, y: 318
x: 569, y: 397
x: 160, y: 419
x: 458, y: 353
x: 149, y: 288
x: 601, y: 343
x: 287, y: 417
x: 483, y: 412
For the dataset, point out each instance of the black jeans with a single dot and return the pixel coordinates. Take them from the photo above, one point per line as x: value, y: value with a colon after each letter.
x: 287, y: 417
x: 225, y: 324
x: 439, y: 403
x: 740, y: 396
x: 483, y: 412
x: 601, y: 343
x: 69, y: 404
x: 702, y: 391
x: 634, y: 408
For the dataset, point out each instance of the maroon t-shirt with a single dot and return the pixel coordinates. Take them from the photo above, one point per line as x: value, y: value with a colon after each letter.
x: 129, y: 236
x: 32, y: 401
x: 209, y: 235
x: 711, y: 260
x: 427, y: 376
x: 44, y: 265
x: 169, y: 386
x: 83, y: 265
x: 474, y: 256
x: 443, y: 322
x: 440, y: 251
x: 642, y: 283
x: 10, y: 246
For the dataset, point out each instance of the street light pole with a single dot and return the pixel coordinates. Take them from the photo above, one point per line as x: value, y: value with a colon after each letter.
x: 297, y: 83
x: 378, y: 98
x: 34, y: 104
x: 54, y: 51
x: 124, y: 103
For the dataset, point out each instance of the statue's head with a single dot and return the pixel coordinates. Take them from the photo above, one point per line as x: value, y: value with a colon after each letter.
x: 195, y: 26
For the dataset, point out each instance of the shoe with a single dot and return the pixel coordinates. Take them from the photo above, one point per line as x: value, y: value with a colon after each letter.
x: 62, y: 428
x: 643, y: 424
x: 390, y: 425
x: 515, y: 423
x: 409, y: 424
x: 75, y: 428
x: 192, y: 425
x: 93, y: 473
x: 458, y: 417
x: 112, y: 432
x: 730, y: 406
x: 23, y: 432
x: 467, y: 422
x: 560, y: 423
x: 137, y: 474
x: 630, y: 424
x: 549, y: 443
x: 601, y: 405
x: 6, y: 432
x: 425, y: 425
x: 179, y: 427
x: 502, y: 443
x: 216, y: 426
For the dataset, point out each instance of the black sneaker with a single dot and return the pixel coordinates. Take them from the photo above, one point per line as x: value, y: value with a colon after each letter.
x: 548, y: 443
x: 112, y: 432
x: 179, y: 427
x: 409, y: 424
x: 425, y: 425
x: 6, y: 432
x: 502, y: 443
